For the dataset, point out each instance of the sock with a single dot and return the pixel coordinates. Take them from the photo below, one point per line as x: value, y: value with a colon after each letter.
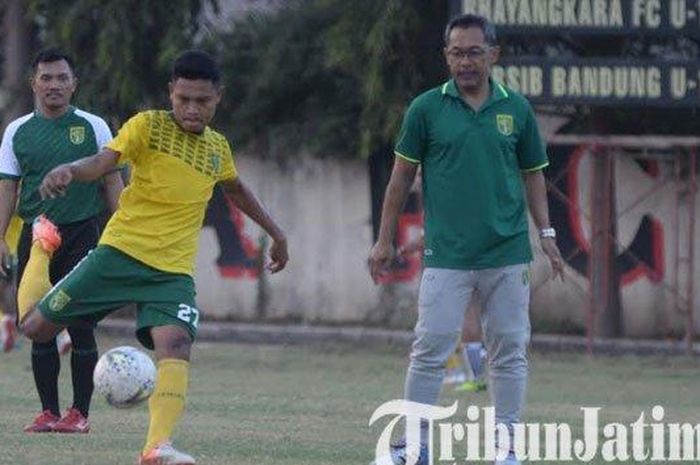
x: 46, y: 364
x: 167, y: 401
x: 475, y: 358
x: 82, y: 360
x: 453, y: 363
x: 35, y: 282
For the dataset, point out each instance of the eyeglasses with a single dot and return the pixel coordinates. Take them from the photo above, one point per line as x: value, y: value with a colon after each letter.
x: 474, y: 53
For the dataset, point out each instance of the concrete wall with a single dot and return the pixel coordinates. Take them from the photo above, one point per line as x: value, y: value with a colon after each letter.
x: 325, y: 208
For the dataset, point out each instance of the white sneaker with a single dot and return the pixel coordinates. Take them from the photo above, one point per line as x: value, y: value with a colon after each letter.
x: 165, y: 454
x: 63, y: 342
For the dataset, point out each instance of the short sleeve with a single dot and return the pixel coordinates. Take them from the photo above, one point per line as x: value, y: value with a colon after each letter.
x: 228, y: 167
x: 131, y: 138
x: 103, y: 134
x: 9, y: 166
x: 412, y: 141
x: 532, y: 155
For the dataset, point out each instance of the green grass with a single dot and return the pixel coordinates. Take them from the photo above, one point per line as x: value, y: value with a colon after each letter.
x: 260, y: 405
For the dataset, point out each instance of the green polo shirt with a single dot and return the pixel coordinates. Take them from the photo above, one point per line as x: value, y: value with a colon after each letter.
x: 33, y: 145
x: 472, y: 164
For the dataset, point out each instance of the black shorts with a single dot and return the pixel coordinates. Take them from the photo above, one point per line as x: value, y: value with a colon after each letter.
x: 77, y: 239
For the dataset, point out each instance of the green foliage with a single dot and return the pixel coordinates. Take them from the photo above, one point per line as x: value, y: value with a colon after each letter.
x: 329, y: 77
x: 404, y: 57
x: 123, y: 48
x: 279, y: 91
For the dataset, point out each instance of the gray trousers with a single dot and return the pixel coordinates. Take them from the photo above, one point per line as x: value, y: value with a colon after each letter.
x: 443, y: 300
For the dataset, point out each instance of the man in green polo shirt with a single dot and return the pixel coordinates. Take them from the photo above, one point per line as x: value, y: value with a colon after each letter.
x: 32, y: 145
x: 481, y: 156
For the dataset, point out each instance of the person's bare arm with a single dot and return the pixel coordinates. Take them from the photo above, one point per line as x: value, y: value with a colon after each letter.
x: 112, y: 185
x: 86, y: 169
x: 249, y: 204
x: 537, y: 200
x: 400, y: 183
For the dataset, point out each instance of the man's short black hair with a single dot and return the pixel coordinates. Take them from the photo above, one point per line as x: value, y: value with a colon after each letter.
x: 49, y: 55
x: 467, y: 21
x: 196, y: 64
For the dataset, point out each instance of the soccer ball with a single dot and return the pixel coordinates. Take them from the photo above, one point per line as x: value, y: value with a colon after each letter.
x: 125, y: 376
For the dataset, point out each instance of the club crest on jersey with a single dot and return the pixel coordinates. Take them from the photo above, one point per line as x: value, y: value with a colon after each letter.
x: 505, y: 124
x: 59, y: 300
x: 77, y: 134
x: 215, y: 162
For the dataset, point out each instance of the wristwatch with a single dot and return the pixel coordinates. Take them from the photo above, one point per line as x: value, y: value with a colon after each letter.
x: 548, y: 232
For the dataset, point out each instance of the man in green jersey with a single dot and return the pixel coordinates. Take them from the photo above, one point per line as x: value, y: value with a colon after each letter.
x: 32, y: 145
x: 481, y: 156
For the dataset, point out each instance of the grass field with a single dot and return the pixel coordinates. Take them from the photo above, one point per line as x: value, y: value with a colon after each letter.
x: 264, y: 405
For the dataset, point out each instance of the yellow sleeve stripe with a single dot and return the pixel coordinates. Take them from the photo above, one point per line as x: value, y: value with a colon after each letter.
x: 536, y: 168
x: 408, y: 159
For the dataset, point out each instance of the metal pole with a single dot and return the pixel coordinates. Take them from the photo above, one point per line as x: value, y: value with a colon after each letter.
x: 607, y: 315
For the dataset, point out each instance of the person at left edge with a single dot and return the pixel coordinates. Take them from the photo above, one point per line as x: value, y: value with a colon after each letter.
x: 54, y: 133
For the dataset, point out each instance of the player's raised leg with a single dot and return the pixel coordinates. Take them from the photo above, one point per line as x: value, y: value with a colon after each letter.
x: 35, y: 282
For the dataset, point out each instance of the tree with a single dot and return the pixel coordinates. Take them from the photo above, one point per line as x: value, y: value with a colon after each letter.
x: 280, y: 91
x: 330, y: 77
x: 123, y: 48
x: 16, y: 44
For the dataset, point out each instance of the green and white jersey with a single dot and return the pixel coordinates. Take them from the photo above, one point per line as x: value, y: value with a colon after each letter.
x: 33, y: 145
x: 471, y: 161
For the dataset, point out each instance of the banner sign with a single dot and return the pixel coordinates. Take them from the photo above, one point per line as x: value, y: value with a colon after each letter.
x: 588, y: 16
x: 602, y: 81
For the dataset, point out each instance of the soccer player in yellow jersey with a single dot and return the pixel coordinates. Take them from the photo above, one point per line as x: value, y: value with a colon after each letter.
x: 7, y: 287
x: 147, y: 251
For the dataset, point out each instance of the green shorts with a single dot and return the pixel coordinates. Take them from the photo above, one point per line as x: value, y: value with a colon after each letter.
x: 107, y: 279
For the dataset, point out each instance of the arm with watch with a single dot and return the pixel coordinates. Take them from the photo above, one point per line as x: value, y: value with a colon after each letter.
x: 537, y: 201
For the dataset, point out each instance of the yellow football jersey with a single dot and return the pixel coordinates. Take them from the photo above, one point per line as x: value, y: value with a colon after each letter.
x: 173, y: 174
x: 14, y: 229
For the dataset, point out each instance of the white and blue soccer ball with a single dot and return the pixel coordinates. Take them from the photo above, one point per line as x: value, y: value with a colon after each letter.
x: 125, y: 376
